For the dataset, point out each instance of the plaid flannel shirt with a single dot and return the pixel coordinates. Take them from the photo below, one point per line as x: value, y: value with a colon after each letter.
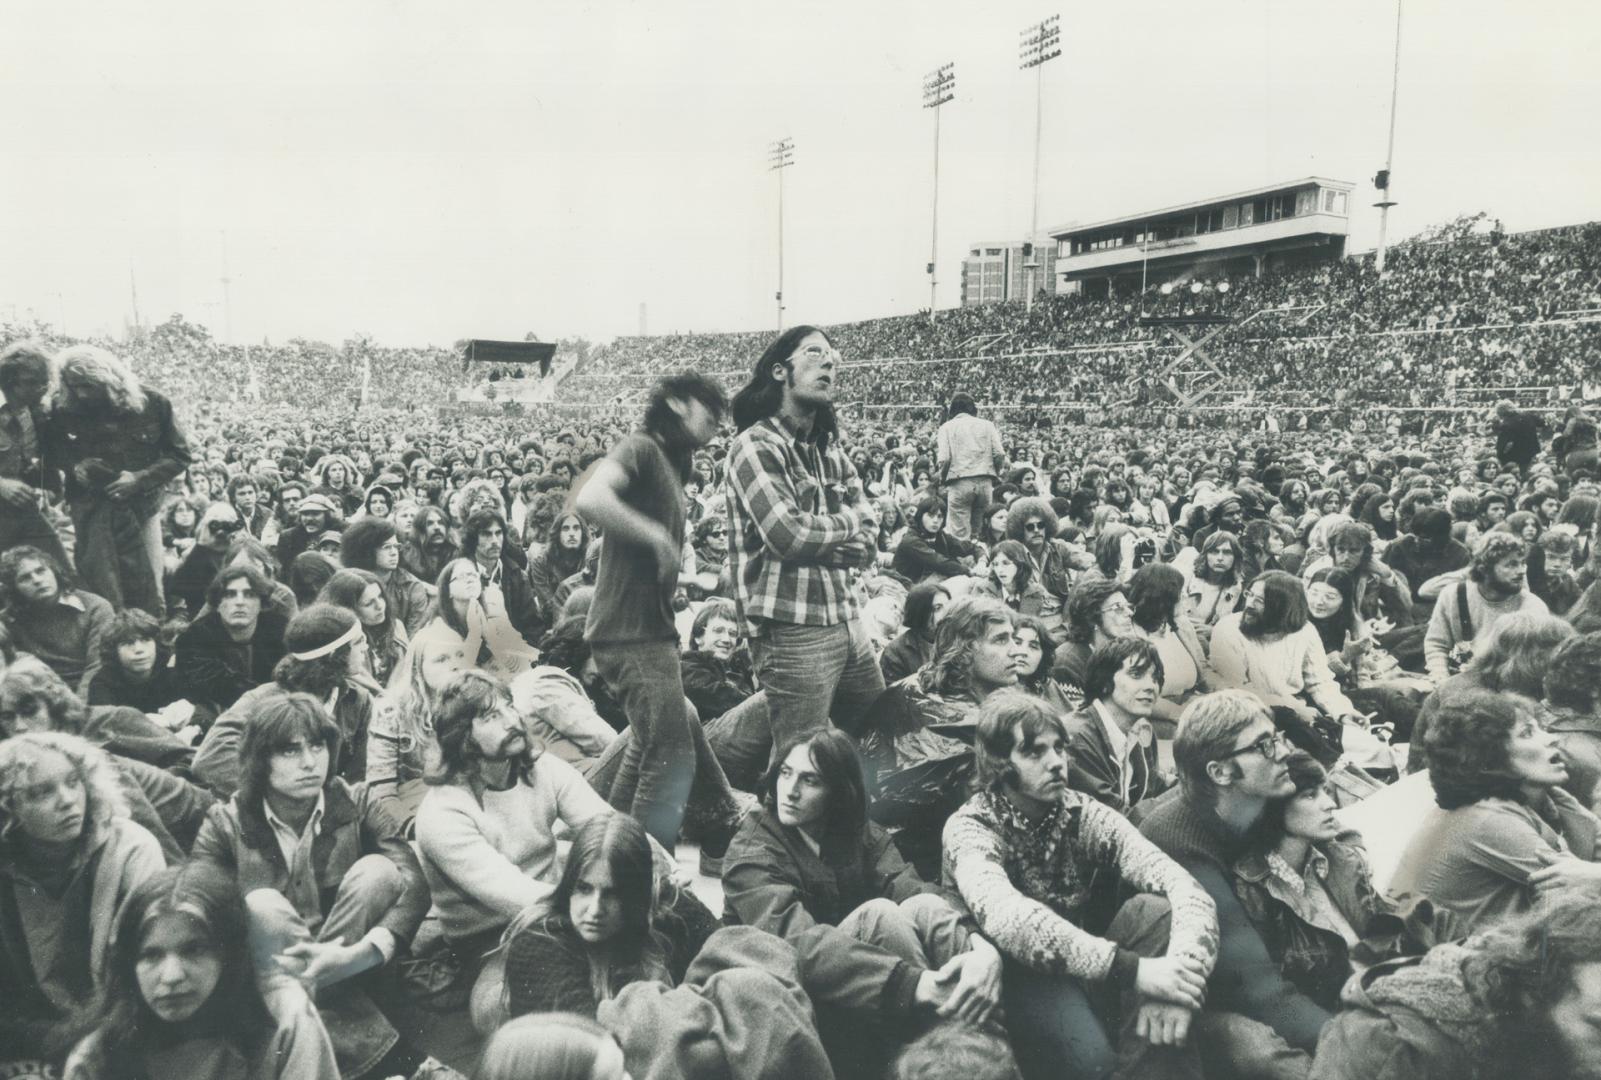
x: 788, y: 506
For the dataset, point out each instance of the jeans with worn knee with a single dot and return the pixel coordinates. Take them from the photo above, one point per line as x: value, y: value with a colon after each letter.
x: 742, y: 739
x: 657, y: 770
x: 812, y: 673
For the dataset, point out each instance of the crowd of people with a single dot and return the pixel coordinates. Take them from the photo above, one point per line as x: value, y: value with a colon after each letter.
x: 754, y: 735
x: 1459, y: 309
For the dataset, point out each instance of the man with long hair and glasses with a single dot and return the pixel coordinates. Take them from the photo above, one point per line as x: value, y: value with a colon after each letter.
x: 800, y: 523
x: 1231, y: 763
x: 636, y: 496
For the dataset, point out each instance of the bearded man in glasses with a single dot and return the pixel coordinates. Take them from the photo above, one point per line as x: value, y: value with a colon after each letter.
x: 1230, y: 761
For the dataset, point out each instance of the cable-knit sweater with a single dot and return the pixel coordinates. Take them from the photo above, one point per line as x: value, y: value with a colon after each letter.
x: 1026, y: 883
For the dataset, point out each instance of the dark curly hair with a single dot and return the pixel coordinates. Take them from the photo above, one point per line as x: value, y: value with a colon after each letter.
x: 1467, y: 748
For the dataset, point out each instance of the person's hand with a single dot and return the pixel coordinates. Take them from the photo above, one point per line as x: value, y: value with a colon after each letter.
x: 16, y: 493
x: 1161, y: 1024
x: 314, y: 962
x: 1178, y: 980
x: 1562, y: 871
x: 1379, y: 627
x: 125, y: 485
x: 977, y: 991
x: 934, y: 988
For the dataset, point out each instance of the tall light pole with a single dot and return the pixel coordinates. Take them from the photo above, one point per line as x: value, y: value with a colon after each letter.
x: 1041, y: 43
x: 780, y: 157
x: 1382, y: 181
x: 227, y: 300
x: 939, y: 87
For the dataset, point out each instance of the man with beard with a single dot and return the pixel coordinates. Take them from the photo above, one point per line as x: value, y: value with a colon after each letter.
x: 635, y: 496
x: 24, y: 476
x: 118, y: 444
x: 483, y: 540
x: 60, y: 625
x: 235, y: 645
x: 486, y: 828
x: 315, y: 514
x: 429, y: 548
x: 1227, y: 516
x: 1024, y: 853
x: 1466, y: 612
x: 1031, y: 521
x: 1230, y: 762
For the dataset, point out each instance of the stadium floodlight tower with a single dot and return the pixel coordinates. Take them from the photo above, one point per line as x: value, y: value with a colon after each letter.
x: 1041, y: 43
x: 939, y: 87
x: 1382, y: 180
x: 780, y: 156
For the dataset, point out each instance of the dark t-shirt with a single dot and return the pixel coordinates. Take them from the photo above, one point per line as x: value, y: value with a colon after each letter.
x: 630, y: 604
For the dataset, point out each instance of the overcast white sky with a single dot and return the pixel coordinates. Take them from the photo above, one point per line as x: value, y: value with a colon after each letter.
x: 426, y: 172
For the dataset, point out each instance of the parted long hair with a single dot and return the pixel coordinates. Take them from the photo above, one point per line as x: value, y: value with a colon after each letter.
x: 467, y: 696
x: 617, y: 842
x: 235, y: 1012
x: 839, y: 767
x: 92, y: 363
x: 1005, y: 721
x: 961, y: 626
x: 273, y: 725
x: 565, y: 562
x: 763, y: 395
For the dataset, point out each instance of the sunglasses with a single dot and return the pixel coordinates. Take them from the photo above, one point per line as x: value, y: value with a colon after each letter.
x: 1033, y: 526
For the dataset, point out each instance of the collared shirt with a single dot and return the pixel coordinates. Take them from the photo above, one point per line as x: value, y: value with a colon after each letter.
x: 788, y: 507
x: 296, y: 848
x: 968, y: 446
x: 1306, y: 894
x: 1120, y: 744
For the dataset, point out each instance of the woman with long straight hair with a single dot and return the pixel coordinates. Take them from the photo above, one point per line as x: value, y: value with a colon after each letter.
x: 182, y: 1000
x: 361, y: 593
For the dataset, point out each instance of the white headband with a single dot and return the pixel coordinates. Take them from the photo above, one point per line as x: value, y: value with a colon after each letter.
x: 333, y: 646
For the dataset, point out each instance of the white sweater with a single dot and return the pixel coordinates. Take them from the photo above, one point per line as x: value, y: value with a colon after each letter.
x: 1292, y: 666
x: 484, y: 864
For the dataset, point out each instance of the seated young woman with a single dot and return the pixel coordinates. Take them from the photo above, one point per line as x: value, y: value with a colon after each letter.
x: 182, y: 999
x: 69, y: 859
x: 610, y: 922
x: 1306, y: 887
x: 1033, y: 637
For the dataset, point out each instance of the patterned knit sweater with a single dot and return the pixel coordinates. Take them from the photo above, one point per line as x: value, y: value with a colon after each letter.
x: 1026, y: 883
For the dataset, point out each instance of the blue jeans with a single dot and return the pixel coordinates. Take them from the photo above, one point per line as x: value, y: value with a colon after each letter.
x: 965, y: 499
x: 658, y: 767
x: 811, y: 673
x: 742, y: 739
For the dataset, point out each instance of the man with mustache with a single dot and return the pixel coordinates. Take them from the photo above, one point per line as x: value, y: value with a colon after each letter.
x: 485, y: 830
x: 429, y: 548
x: 1024, y: 853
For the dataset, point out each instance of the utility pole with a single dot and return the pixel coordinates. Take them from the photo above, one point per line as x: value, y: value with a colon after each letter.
x: 780, y: 157
x: 1382, y: 180
x: 939, y: 87
x: 133, y: 285
x: 1041, y: 43
x: 227, y: 302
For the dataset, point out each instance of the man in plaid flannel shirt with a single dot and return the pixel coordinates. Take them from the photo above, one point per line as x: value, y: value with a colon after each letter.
x: 800, y: 525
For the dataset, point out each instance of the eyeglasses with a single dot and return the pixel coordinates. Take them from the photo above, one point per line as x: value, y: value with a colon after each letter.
x: 819, y: 352
x: 1269, y: 746
x: 1033, y: 526
x: 1117, y: 607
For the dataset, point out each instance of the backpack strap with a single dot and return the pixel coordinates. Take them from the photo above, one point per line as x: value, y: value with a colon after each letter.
x: 1463, y: 616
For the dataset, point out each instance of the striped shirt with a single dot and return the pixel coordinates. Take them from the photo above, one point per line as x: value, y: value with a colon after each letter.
x: 789, y: 506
